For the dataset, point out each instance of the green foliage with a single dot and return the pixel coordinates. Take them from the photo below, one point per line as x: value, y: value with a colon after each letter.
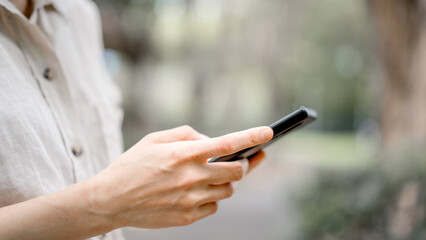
x: 329, y: 60
x: 381, y: 202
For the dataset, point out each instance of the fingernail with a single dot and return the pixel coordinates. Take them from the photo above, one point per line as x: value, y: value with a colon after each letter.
x: 266, y: 134
x: 245, y: 164
x: 234, y: 185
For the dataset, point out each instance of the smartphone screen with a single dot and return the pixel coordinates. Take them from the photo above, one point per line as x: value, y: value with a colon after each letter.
x: 285, y: 125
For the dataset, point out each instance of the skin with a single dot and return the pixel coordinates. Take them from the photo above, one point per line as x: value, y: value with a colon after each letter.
x: 25, y: 6
x: 162, y: 181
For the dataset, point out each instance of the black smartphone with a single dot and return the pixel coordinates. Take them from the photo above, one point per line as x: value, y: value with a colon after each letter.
x: 285, y: 125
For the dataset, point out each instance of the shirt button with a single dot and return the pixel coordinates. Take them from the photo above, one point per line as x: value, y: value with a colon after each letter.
x: 49, y: 74
x: 77, y: 151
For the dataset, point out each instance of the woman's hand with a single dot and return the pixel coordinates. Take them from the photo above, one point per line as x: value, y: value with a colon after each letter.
x: 165, y: 180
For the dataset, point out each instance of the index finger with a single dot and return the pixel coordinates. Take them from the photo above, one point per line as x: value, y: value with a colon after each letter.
x: 230, y: 143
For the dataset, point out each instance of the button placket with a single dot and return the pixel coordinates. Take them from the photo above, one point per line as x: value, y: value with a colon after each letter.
x: 44, y: 63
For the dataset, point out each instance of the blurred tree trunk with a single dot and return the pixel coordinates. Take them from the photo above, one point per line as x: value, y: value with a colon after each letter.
x: 401, y: 36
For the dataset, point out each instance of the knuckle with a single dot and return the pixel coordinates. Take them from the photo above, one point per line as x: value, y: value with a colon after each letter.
x: 205, y: 178
x: 186, y: 219
x: 202, y: 176
x: 187, y: 183
x: 189, y: 179
x: 187, y: 129
x: 253, y: 138
x: 187, y: 203
x: 214, y: 208
x: 178, y: 152
x: 181, y: 151
x: 149, y: 137
x: 226, y: 145
x: 175, y: 154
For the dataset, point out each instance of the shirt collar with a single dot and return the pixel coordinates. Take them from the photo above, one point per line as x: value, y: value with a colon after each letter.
x: 51, y: 4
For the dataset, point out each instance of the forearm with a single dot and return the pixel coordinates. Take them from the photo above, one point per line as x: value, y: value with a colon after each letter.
x: 62, y: 215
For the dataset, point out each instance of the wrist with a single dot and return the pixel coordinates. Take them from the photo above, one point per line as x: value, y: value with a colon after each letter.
x: 104, y: 203
x: 95, y: 207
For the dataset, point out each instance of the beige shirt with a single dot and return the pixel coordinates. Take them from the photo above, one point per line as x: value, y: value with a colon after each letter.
x: 59, y: 111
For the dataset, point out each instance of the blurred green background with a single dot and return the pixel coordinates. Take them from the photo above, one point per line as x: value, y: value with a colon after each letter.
x: 222, y: 66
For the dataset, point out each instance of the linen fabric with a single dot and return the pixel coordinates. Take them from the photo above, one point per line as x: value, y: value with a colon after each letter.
x: 60, y: 114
